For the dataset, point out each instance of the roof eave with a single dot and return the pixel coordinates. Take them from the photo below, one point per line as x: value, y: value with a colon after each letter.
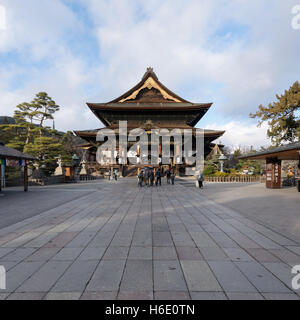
x: 271, y: 153
x: 93, y: 133
x: 97, y: 115
x: 149, y: 106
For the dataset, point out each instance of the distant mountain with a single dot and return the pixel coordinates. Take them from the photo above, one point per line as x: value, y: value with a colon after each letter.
x: 7, y: 120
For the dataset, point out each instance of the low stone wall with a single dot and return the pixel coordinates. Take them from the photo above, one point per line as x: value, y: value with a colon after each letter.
x: 14, y: 182
x: 47, y: 181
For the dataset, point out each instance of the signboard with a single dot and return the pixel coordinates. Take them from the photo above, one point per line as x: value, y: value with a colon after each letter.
x: 12, y: 162
x: 273, y: 174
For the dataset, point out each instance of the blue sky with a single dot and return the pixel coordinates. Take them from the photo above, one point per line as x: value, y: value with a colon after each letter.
x: 237, y: 54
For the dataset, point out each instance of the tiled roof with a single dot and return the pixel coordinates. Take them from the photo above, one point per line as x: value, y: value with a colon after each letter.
x: 13, y: 153
x: 286, y: 147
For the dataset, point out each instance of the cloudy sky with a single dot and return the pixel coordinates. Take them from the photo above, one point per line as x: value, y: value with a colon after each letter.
x: 235, y: 53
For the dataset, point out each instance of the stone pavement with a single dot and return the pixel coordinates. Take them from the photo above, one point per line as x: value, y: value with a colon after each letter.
x: 277, y: 208
x: 121, y: 242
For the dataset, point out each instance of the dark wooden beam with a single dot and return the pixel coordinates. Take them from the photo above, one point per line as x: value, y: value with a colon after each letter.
x: 25, y: 177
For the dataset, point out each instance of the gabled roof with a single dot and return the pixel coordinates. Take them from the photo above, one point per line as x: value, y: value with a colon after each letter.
x: 151, y: 92
x: 148, y: 95
x: 148, y: 82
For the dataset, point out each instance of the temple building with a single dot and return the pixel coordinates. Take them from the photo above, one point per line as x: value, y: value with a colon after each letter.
x: 148, y: 105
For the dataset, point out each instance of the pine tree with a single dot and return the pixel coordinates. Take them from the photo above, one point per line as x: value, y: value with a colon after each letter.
x: 29, y: 133
x: 45, y: 108
x: 69, y: 144
x: 46, y: 149
x: 283, y: 116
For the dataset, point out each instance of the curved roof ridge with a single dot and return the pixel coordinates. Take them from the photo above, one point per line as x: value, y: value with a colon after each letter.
x: 149, y: 73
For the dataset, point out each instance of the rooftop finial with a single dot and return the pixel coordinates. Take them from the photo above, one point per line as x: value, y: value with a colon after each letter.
x: 150, y: 72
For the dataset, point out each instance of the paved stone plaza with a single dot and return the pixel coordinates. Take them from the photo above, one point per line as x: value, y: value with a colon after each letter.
x: 111, y: 240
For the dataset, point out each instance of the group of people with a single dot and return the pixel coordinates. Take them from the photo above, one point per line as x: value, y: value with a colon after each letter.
x: 114, y: 173
x: 150, y: 177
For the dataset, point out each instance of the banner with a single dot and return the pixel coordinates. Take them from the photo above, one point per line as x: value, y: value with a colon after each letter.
x: 13, y: 163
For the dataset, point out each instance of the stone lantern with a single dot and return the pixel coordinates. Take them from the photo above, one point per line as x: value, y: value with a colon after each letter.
x: 75, y: 163
x: 222, y: 158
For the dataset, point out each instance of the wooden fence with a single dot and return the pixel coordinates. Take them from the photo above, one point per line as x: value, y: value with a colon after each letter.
x: 244, y: 178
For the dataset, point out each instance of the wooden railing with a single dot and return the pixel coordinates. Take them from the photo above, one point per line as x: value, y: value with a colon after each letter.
x: 87, y: 177
x: 244, y: 178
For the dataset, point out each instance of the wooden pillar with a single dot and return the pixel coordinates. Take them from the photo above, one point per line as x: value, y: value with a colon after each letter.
x: 273, y: 173
x: 177, y: 150
x: 25, y: 177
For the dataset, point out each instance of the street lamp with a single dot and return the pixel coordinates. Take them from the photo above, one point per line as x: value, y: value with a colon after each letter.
x: 222, y: 158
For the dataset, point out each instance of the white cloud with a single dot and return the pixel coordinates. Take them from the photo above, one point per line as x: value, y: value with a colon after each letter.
x: 37, y: 34
x: 176, y: 38
x: 37, y: 27
x: 189, y: 44
x: 242, y: 134
x: 2, y: 18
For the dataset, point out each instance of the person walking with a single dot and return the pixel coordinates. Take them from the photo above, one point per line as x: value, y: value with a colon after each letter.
x: 200, y: 180
x: 173, y: 177
x: 109, y: 174
x: 168, y: 174
x: 151, y: 177
x: 140, y: 177
x: 158, y: 177
x: 116, y: 174
x: 147, y: 177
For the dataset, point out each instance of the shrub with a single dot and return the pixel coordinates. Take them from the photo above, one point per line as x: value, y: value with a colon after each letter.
x: 209, y: 171
x: 234, y: 172
x: 221, y: 174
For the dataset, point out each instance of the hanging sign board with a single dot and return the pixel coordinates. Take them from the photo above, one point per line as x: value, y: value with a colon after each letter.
x: 273, y: 173
x: 12, y: 162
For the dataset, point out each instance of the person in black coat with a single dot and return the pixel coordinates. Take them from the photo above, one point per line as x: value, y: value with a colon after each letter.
x: 151, y: 177
x: 168, y: 174
x: 141, y: 177
x: 158, y: 177
x: 173, y: 177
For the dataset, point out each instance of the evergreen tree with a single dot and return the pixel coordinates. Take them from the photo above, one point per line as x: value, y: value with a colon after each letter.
x: 283, y: 116
x: 46, y: 149
x: 29, y: 133
x: 45, y: 107
x: 69, y: 146
x: 237, y: 153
